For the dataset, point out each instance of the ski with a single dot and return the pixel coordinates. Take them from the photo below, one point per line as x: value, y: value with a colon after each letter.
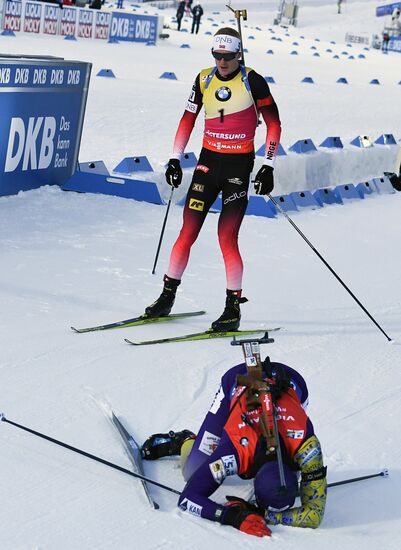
x: 134, y: 454
x: 141, y: 320
x: 205, y: 335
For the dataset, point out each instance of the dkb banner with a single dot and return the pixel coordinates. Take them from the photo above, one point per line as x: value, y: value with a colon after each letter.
x: 134, y: 28
x: 42, y: 107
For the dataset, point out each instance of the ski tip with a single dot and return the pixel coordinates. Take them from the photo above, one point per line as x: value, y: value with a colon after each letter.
x: 2, y: 417
x: 74, y: 329
x: 384, y: 473
x: 156, y: 506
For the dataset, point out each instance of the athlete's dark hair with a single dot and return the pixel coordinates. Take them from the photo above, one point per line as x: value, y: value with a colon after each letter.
x: 229, y: 31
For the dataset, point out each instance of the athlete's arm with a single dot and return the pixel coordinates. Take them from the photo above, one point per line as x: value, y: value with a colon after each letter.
x: 207, y: 478
x: 312, y: 491
x: 267, y: 107
x: 187, y: 122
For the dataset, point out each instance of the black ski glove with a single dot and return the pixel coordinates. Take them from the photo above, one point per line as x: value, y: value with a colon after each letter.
x: 395, y: 180
x: 174, y: 173
x: 264, y: 181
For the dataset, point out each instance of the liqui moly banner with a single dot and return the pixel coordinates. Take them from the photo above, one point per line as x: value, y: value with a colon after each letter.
x: 50, y: 19
x: 68, y: 22
x: 42, y: 106
x: 102, y: 24
x: 32, y: 17
x: 12, y: 17
x: 85, y: 23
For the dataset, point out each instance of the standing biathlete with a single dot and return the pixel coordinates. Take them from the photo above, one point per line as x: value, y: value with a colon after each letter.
x: 230, y: 442
x: 233, y: 96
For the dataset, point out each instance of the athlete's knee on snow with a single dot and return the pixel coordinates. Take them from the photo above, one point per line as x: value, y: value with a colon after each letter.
x: 186, y: 449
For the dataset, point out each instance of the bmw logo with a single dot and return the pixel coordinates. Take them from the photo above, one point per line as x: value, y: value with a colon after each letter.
x: 223, y: 93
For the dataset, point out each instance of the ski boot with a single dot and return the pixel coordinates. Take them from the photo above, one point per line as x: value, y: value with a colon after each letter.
x: 160, y: 445
x: 164, y: 303
x: 231, y: 316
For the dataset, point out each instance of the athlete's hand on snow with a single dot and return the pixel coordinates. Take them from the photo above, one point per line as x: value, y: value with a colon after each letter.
x: 243, y: 504
x: 246, y: 521
x: 174, y: 173
x: 264, y: 181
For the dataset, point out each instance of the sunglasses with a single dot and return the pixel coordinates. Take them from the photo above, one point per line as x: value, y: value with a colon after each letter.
x: 229, y: 56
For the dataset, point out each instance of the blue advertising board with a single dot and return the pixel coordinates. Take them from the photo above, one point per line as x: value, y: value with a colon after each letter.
x: 388, y: 9
x: 134, y: 28
x: 41, y: 116
x: 395, y: 44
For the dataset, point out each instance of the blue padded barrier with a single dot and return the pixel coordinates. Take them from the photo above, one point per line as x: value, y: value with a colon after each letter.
x: 271, y: 52
x: 304, y: 199
x: 84, y: 182
x: 294, y: 52
x: 7, y: 32
x: 342, y: 80
x: 383, y: 185
x: 366, y: 188
x: 386, y: 139
x: 113, y: 40
x: 129, y: 165
x: 106, y: 72
x: 189, y: 160
x: 94, y: 167
x: 258, y: 206
x: 303, y: 146
x: 168, y: 75
x: 70, y: 37
x: 316, y: 54
x: 308, y: 80
x: 270, y: 80
x: 216, y: 206
x: 287, y: 203
x: 326, y: 196
x: 332, y: 142
x: 374, y: 81
x: 185, y: 46
x: 347, y: 192
x: 336, y: 56
x: 362, y: 141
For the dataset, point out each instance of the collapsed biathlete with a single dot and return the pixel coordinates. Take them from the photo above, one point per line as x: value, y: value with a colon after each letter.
x: 231, y: 441
x: 233, y: 96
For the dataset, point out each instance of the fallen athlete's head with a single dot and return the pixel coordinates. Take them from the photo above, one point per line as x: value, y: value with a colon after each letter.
x: 268, y: 492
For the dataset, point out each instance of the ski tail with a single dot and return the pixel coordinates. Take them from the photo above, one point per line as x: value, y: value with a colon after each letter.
x: 134, y: 454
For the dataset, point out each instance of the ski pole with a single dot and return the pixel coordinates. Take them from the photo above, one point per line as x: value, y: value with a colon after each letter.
x: 162, y: 231
x: 328, y: 266
x: 383, y: 473
x: 88, y: 455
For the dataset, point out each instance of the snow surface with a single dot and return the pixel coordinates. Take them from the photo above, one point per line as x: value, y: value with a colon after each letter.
x: 74, y: 259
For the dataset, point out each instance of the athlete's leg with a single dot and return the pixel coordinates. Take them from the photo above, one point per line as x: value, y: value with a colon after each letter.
x: 201, y: 195
x: 234, y: 203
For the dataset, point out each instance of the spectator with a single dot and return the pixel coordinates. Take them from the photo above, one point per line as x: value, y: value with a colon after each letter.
x: 386, y: 40
x: 180, y: 14
x: 197, y: 13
